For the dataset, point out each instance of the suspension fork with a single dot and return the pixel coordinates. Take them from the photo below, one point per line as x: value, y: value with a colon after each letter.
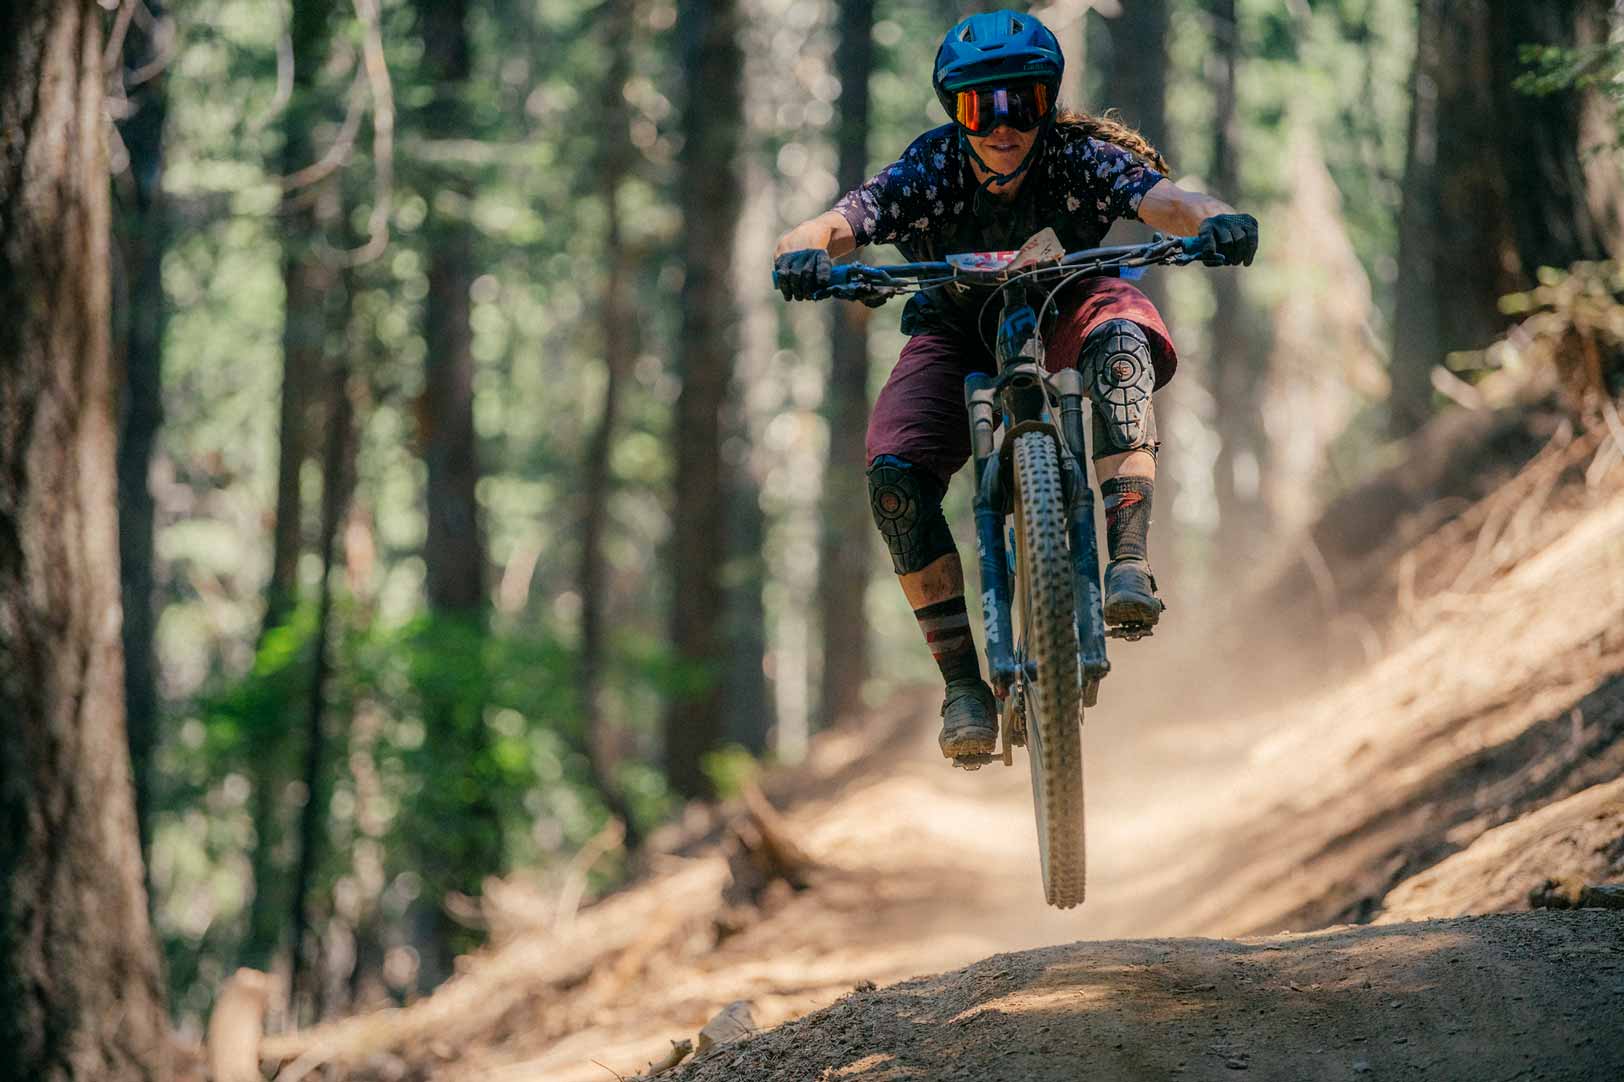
x: 1085, y: 552
x: 989, y: 502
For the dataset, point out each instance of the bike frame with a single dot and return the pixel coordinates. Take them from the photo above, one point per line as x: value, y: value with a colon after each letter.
x: 1022, y: 398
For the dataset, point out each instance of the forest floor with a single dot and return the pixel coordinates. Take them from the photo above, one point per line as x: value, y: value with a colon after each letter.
x: 1476, y: 754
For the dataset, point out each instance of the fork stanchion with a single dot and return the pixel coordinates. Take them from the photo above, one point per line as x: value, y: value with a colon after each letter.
x: 1085, y: 551
x: 990, y: 550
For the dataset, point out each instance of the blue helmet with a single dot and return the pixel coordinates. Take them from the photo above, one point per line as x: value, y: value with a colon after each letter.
x: 995, y: 46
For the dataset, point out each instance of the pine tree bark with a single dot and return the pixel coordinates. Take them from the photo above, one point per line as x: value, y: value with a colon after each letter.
x: 619, y: 334
x: 1239, y: 362
x: 1494, y: 186
x: 1562, y: 210
x: 1453, y: 232
x: 309, y: 279
x: 80, y: 992
x: 468, y: 835
x: 337, y: 480
x: 748, y: 708
x: 710, y: 197
x: 143, y: 235
x: 1134, y: 76
x: 844, y: 546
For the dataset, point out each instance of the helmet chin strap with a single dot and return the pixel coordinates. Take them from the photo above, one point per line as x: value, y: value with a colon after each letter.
x: 1004, y: 178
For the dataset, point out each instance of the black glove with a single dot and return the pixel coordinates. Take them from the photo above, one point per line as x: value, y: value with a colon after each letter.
x: 800, y: 274
x: 1228, y: 240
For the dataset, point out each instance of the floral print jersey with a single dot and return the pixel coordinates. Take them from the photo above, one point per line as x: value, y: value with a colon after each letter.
x: 925, y: 203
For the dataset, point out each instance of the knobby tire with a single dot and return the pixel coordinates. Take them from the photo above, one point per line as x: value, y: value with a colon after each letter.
x: 1049, y: 637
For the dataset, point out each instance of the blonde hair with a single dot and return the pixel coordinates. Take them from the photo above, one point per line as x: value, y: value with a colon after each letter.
x: 1111, y: 128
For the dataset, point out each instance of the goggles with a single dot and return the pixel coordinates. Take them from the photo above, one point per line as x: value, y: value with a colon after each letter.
x: 1022, y: 106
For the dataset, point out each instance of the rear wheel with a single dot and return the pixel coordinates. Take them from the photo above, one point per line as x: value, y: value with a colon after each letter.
x: 1049, y: 638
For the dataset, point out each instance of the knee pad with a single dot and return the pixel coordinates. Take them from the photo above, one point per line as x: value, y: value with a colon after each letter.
x: 1116, y: 363
x: 907, y: 506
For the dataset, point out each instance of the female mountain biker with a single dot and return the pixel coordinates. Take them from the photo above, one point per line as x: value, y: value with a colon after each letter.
x: 1010, y: 163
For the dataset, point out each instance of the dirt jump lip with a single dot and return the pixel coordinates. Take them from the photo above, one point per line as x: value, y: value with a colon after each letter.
x: 1476, y: 998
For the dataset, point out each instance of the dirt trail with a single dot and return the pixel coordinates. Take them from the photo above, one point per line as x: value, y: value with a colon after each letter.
x: 1484, y: 999
x: 1203, y: 823
x: 1478, y: 754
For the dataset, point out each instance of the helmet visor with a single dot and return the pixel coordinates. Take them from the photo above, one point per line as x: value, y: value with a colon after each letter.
x: 1022, y: 106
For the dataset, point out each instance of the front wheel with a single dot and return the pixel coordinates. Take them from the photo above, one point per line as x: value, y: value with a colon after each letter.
x: 1049, y: 638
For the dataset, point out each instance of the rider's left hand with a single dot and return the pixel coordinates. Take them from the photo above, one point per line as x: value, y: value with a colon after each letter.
x: 1229, y: 240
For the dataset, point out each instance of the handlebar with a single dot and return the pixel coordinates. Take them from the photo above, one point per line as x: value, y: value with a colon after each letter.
x: 863, y: 282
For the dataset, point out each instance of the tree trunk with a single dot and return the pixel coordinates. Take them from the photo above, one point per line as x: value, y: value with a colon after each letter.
x: 309, y: 280
x: 843, y: 556
x: 80, y: 992
x: 710, y: 198
x: 466, y: 845
x: 337, y: 479
x: 1239, y: 361
x: 1134, y: 77
x: 618, y: 322
x: 1454, y: 238
x: 1494, y: 187
x: 1562, y: 210
x: 143, y: 232
x: 747, y: 701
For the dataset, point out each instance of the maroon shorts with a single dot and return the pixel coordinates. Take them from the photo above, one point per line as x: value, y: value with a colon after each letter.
x: 920, y: 415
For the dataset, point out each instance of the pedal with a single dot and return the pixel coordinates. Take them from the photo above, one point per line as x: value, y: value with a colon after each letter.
x: 1131, y: 632
x: 973, y: 762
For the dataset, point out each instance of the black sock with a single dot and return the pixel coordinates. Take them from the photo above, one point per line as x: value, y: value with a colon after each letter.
x: 1127, y: 516
x: 946, y: 625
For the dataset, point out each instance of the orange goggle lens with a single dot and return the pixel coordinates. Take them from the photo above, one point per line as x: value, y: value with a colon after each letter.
x: 980, y: 109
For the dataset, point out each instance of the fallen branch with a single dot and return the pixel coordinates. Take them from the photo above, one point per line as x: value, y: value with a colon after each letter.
x: 601, y: 844
x: 1576, y: 894
x: 679, y: 1052
x: 236, y: 1026
x: 761, y: 851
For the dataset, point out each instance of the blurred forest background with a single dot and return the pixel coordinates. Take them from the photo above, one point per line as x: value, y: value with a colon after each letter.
x: 480, y: 502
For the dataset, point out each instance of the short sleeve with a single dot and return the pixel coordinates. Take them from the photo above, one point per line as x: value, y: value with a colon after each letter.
x: 1117, y: 179
x: 901, y: 201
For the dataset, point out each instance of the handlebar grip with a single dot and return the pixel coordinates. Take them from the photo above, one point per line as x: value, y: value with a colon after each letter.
x: 1191, y: 245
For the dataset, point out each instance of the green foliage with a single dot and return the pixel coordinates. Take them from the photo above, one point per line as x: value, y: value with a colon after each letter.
x: 448, y: 743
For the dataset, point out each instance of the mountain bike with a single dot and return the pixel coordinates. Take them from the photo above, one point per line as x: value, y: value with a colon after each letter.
x: 1027, y: 439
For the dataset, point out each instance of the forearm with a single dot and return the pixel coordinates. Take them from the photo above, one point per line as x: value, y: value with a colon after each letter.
x: 829, y: 231
x: 1172, y: 210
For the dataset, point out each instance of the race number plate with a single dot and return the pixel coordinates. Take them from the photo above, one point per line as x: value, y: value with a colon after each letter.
x: 982, y: 261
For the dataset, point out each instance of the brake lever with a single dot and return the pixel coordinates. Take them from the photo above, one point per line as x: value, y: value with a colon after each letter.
x: 857, y: 291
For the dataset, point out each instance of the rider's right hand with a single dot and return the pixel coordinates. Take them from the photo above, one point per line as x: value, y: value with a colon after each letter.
x: 800, y: 274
